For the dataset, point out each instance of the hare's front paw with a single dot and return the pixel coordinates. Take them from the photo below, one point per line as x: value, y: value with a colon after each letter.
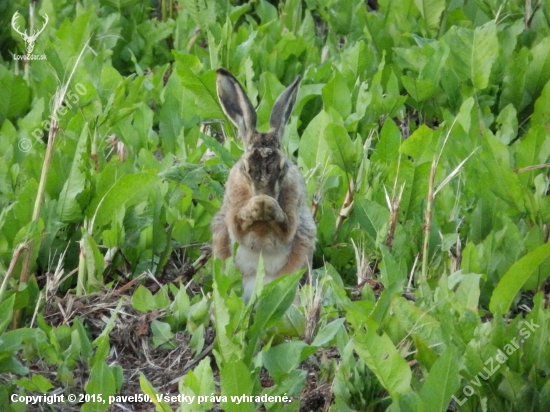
x: 263, y: 208
x: 266, y: 208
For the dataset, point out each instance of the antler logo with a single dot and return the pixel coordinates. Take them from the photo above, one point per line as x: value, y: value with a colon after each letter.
x: 29, y: 39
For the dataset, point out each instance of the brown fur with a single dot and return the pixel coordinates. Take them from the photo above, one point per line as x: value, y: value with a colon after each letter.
x: 265, y: 210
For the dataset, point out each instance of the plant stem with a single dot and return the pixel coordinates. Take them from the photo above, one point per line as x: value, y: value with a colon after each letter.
x: 427, y: 225
x: 38, y: 201
x: 58, y: 99
x: 16, y: 254
x: 532, y: 167
x: 345, y: 209
x: 25, y: 269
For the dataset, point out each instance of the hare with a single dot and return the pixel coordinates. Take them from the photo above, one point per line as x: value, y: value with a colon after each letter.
x: 264, y: 208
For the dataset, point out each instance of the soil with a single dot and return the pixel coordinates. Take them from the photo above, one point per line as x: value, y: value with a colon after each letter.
x: 132, y: 350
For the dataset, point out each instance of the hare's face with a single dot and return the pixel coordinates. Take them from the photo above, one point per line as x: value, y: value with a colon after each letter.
x: 264, y: 168
x: 263, y: 165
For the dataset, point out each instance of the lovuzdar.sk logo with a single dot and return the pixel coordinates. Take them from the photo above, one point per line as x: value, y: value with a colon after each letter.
x: 29, y: 39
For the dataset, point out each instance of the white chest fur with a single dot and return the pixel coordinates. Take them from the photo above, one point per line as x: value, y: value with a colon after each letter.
x: 247, y: 260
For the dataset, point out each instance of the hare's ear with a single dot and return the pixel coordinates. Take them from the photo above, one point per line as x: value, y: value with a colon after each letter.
x: 283, y: 108
x: 236, y: 104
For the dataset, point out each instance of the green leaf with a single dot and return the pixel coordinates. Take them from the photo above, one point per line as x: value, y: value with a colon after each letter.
x: 416, y: 187
x: 290, y: 45
x: 229, y: 350
x: 10, y: 364
x: 442, y: 381
x: 505, y: 183
x: 292, y: 324
x: 198, y: 382
x: 235, y: 380
x: 197, y: 340
x: 419, y: 145
x: 102, y: 340
x: 534, y: 147
x: 432, y: 70
x: 218, y: 148
x: 6, y: 312
x: 354, y: 60
x: 364, y: 98
x: 342, y: 149
x: 387, y: 149
x: 93, y: 261
x: 283, y: 359
x: 464, y: 117
x: 411, y: 402
x: 37, y: 383
x: 515, y: 77
x: 336, y: 95
x: 162, y: 333
x: 514, y: 279
x: 258, y: 281
x: 473, y: 52
x: 391, y: 274
x: 372, y: 217
x: 470, y: 258
x: 68, y: 208
x: 328, y: 332
x: 86, y: 349
x: 202, y: 12
x: 534, y: 334
x: 545, y: 396
x: 172, y: 112
x: 416, y: 321
x: 119, y: 4
x: 385, y: 362
x: 114, y: 237
x: 314, y: 149
x: 431, y: 12
x: 275, y: 299
x: 198, y: 312
x: 101, y: 381
x: 541, y: 115
x: 202, y: 86
x: 13, y: 340
x: 148, y: 389
x: 15, y: 94
x: 508, y: 124
x: 143, y: 300
x: 538, y: 70
x: 162, y: 300
x: 129, y: 190
x: 468, y: 291
x: 419, y: 89
x: 180, y: 305
x: 452, y: 84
